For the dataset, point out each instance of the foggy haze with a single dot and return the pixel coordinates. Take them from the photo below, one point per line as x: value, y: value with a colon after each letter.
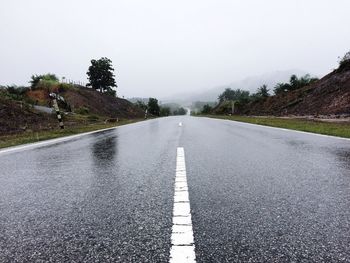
x: 160, y: 48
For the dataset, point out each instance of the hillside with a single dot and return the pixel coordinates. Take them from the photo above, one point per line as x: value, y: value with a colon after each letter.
x: 83, y: 106
x: 101, y: 104
x: 328, y: 96
x: 17, y: 117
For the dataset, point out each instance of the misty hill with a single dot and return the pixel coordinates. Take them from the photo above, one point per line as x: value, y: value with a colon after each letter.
x: 251, y: 84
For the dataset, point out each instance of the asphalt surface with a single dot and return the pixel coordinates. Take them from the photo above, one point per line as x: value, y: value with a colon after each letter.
x: 257, y: 195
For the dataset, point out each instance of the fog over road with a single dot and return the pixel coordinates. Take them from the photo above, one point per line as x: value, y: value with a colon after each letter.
x: 257, y: 194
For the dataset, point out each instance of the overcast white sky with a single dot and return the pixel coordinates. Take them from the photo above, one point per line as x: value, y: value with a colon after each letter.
x: 161, y: 47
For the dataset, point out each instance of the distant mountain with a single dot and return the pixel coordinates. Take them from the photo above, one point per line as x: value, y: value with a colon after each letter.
x: 250, y: 83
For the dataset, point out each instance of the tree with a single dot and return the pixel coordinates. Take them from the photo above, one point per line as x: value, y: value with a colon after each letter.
x: 180, y: 111
x: 141, y: 104
x: 238, y: 95
x: 344, y: 63
x: 263, y: 91
x: 164, y: 111
x: 294, y: 83
x: 345, y: 59
x: 281, y: 88
x: 153, y: 107
x: 101, y: 75
x: 206, y: 109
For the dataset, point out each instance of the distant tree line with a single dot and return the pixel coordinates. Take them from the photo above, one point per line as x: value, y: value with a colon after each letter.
x: 294, y: 84
x: 154, y: 108
x: 241, y: 97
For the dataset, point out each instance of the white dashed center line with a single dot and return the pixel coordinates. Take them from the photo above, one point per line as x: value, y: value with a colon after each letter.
x: 182, y: 249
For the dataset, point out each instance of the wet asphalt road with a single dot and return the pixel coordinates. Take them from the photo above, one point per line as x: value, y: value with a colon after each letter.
x: 257, y: 195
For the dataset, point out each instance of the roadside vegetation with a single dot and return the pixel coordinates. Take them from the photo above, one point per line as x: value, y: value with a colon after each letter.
x: 242, y: 98
x: 282, y: 97
x: 299, y: 124
x: 26, y: 113
x: 304, y: 103
x: 41, y: 135
x: 154, y: 108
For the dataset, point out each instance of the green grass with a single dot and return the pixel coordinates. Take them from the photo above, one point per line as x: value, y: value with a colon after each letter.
x: 320, y: 127
x: 30, y: 136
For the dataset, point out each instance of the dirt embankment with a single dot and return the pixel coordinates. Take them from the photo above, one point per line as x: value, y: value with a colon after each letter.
x: 18, y: 117
x: 101, y: 104
x: 330, y: 96
x: 83, y: 106
x: 89, y: 101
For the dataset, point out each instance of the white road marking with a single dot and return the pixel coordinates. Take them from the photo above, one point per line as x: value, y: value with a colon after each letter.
x: 48, y: 142
x: 180, y: 124
x: 182, y: 249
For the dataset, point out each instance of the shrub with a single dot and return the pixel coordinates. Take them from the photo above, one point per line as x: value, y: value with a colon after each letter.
x: 64, y: 87
x: 82, y: 110
x: 111, y: 92
x: 46, y: 84
x: 29, y: 101
x: 141, y: 105
x: 16, y: 93
x: 48, y: 78
x: 164, y: 111
x: 93, y: 117
x: 344, y: 63
x: 345, y: 59
x: 206, y: 109
x: 153, y: 106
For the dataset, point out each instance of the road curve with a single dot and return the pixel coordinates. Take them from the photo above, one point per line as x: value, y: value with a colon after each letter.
x: 257, y: 194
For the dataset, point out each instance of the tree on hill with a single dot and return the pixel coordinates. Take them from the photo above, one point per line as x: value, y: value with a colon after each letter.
x: 263, y: 91
x: 344, y: 63
x: 237, y: 95
x: 345, y: 59
x: 281, y: 88
x: 153, y: 106
x: 101, y: 75
x: 294, y: 83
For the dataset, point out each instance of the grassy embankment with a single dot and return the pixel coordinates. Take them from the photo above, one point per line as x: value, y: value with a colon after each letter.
x: 36, y: 136
x: 320, y: 127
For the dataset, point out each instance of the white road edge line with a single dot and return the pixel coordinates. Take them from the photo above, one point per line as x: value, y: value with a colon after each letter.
x: 53, y: 141
x: 282, y: 129
x: 182, y: 241
x: 50, y: 141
